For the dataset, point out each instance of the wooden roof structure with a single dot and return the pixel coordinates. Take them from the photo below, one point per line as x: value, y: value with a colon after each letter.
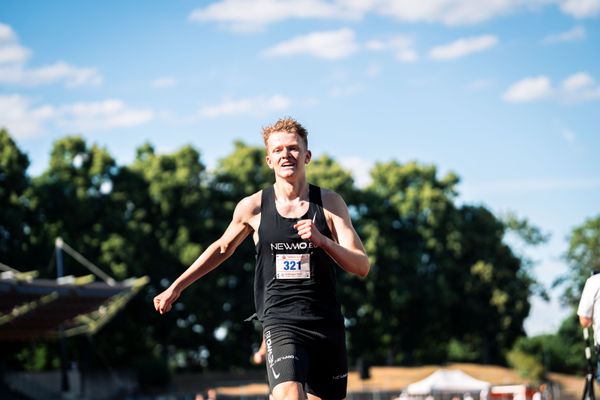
x: 33, y: 309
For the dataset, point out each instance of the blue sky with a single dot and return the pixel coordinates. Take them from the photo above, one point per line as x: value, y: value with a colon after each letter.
x: 505, y: 93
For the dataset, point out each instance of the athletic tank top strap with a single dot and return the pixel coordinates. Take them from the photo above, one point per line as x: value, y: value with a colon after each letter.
x: 316, y: 212
x: 268, y: 200
x: 314, y: 197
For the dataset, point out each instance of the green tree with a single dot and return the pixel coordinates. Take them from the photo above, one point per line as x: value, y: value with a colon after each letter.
x: 224, y: 298
x: 496, y: 286
x: 14, y: 205
x: 327, y: 173
x: 563, y: 351
x: 583, y: 257
x: 165, y: 203
x: 526, y: 365
x: 441, y: 274
x: 402, y: 213
x: 444, y: 283
x: 72, y: 201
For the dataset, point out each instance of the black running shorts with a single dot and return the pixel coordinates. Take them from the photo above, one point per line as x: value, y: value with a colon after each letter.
x: 313, y: 355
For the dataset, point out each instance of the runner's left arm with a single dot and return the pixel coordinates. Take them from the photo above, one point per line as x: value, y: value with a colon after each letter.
x: 346, y: 249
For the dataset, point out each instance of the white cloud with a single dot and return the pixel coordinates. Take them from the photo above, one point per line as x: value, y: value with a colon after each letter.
x: 61, y: 71
x: 402, y: 46
x: 360, y: 169
x: 70, y: 75
x: 328, y: 45
x: 462, y: 47
x: 577, y: 33
x: 408, y: 55
x: 375, y: 45
x: 12, y: 53
x: 164, y: 82
x: 22, y: 119
x: 579, y: 87
x: 252, y: 106
x: 102, y: 115
x: 581, y: 8
x: 6, y: 33
x: 246, y: 15
x: 529, y: 89
x: 575, y: 88
x: 578, y: 81
x: 14, y: 71
x: 568, y: 135
x: 449, y: 12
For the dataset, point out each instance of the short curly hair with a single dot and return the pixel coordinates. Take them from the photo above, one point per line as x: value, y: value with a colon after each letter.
x: 288, y: 125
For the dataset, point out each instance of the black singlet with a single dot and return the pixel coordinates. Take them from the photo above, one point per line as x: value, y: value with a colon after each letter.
x: 299, y: 297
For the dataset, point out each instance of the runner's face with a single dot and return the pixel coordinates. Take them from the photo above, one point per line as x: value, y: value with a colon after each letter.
x: 286, y: 154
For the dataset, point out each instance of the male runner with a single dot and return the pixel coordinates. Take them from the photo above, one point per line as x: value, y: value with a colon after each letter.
x: 301, y: 233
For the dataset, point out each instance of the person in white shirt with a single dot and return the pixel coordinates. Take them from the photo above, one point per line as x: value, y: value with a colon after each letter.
x: 589, y: 307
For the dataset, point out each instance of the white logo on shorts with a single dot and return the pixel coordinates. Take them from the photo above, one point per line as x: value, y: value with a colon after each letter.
x: 270, y: 353
x: 342, y: 376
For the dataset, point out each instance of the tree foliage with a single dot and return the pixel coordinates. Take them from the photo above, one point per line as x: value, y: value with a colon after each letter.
x: 441, y: 273
x: 563, y: 351
x: 583, y: 257
x: 14, y: 204
x: 444, y: 284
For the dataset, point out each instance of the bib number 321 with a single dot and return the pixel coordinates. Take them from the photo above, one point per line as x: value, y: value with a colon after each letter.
x: 292, y: 266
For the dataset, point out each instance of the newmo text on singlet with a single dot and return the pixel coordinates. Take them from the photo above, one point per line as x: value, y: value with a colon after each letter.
x: 292, y: 246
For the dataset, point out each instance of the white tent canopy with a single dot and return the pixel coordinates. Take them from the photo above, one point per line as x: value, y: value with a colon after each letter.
x: 447, y: 381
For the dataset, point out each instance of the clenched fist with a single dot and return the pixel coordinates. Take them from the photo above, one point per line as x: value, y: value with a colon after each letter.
x: 164, y: 301
x: 308, y: 231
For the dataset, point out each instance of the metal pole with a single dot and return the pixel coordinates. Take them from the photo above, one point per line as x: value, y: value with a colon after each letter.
x: 58, y: 245
x: 588, y: 391
x: 64, y: 377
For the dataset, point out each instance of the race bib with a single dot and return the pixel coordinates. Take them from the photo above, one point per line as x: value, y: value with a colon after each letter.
x: 292, y: 266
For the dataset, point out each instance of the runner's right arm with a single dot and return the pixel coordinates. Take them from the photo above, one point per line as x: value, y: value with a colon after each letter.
x: 212, y: 257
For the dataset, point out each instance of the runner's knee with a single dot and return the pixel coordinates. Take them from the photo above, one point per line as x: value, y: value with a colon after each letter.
x: 288, y: 391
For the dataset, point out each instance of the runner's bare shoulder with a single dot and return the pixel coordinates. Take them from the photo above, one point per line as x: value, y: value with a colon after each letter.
x: 248, y: 209
x: 332, y: 201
